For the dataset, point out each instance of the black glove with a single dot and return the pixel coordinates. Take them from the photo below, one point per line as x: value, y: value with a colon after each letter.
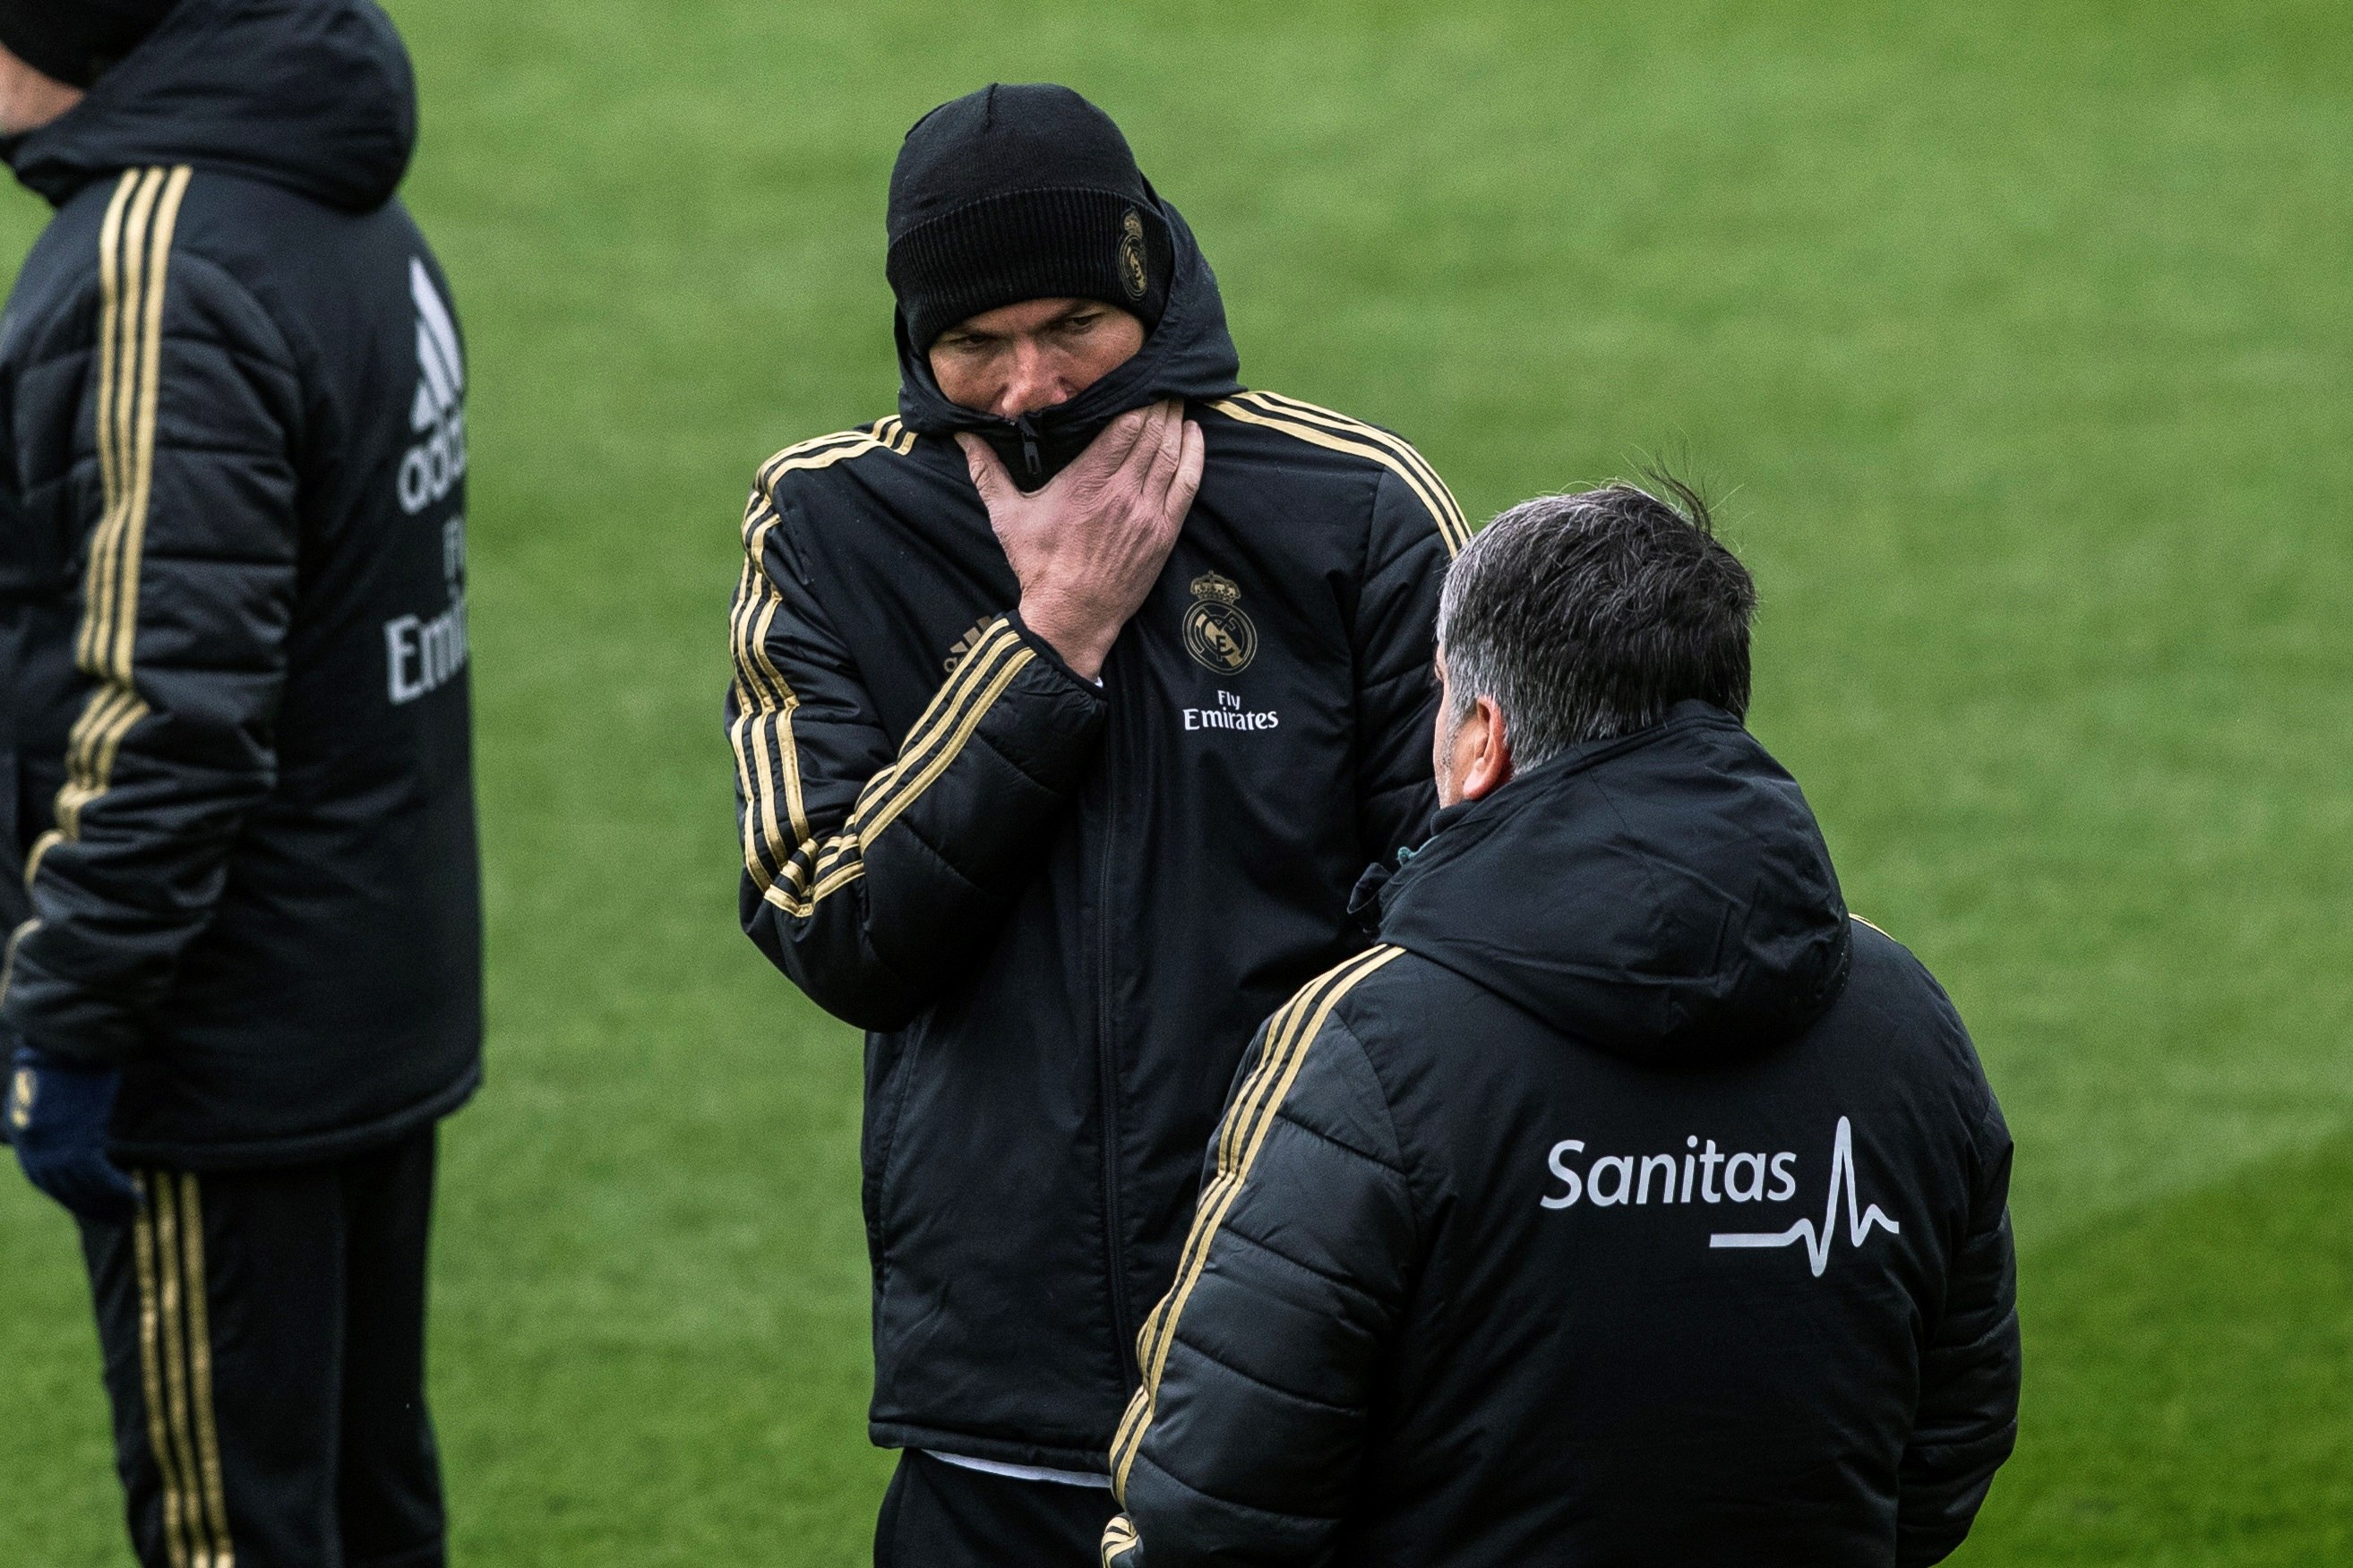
x: 59, y: 1110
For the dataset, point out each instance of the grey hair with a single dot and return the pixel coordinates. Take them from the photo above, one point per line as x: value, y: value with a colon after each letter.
x: 1586, y: 617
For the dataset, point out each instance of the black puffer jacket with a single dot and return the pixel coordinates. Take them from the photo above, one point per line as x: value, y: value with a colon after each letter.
x: 1626, y: 1205
x: 1059, y: 908
x: 234, y: 770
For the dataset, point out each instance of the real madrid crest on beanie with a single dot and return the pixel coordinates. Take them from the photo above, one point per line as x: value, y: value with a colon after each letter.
x: 1019, y: 193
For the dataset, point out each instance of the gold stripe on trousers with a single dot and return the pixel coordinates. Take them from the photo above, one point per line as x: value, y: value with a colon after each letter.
x: 175, y: 1368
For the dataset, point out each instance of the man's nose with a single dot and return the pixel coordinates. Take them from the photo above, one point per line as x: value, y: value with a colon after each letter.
x: 1032, y: 386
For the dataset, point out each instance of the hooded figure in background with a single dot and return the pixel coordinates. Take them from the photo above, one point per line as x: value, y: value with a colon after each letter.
x: 1629, y: 1202
x: 242, y: 980
x: 1069, y: 701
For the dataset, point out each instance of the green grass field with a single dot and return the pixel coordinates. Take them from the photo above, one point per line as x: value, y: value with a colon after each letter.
x: 2017, y: 334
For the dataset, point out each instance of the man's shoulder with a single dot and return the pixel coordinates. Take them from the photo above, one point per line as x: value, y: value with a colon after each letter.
x: 1375, y: 1045
x: 1886, y: 976
x: 809, y: 467
x: 293, y: 249
x: 1391, y: 1005
x: 1291, y: 423
x: 1894, y: 1023
x: 1355, y: 1000
x: 279, y: 273
x: 106, y: 247
x: 1297, y: 437
x: 1314, y: 1065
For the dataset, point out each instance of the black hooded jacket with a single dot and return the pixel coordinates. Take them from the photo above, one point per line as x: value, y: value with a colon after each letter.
x: 1059, y: 908
x: 1630, y: 1203
x: 235, y: 783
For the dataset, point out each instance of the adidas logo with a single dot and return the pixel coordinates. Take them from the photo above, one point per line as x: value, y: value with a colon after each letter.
x: 963, y: 645
x: 431, y: 467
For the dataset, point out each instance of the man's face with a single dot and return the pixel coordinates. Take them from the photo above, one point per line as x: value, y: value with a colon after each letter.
x: 28, y: 98
x: 1020, y: 358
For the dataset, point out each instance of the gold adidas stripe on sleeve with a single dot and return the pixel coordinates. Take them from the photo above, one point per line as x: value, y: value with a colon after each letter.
x: 175, y: 1369
x: 1118, y: 1537
x: 792, y: 864
x: 134, y: 254
x: 1288, y: 1036
x: 1339, y: 433
x: 133, y: 200
x: 765, y: 700
x: 765, y: 705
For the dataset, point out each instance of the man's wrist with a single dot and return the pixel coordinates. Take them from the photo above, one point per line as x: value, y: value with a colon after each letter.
x: 1083, y: 650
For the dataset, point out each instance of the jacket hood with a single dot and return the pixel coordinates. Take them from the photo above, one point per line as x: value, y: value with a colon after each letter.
x: 315, y: 96
x: 1189, y: 356
x: 1666, y: 897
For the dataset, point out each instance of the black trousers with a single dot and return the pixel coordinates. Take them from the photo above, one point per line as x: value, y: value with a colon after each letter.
x: 938, y: 1515
x: 264, y: 1335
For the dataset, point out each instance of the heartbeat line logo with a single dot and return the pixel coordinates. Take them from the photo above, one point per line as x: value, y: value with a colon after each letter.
x: 1858, y: 1220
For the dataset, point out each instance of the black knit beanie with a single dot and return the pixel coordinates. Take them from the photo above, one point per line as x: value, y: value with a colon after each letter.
x: 74, y: 41
x: 1020, y: 193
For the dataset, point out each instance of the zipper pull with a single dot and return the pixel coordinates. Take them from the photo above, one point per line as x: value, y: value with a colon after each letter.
x: 1030, y: 459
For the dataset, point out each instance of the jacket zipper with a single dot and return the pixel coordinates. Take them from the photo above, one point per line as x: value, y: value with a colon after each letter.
x: 1032, y: 462
x: 1106, y: 1064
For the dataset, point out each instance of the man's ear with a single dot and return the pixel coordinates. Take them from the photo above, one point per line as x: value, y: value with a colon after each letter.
x: 1490, y: 764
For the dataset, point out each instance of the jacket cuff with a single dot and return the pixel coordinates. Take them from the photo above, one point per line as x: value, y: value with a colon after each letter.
x: 52, y: 1052
x: 1047, y: 656
x: 80, y: 1030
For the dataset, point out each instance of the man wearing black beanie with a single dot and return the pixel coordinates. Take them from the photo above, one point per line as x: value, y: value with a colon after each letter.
x: 241, y: 979
x: 1070, y: 702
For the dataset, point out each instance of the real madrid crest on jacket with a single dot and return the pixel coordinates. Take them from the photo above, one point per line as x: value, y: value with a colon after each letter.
x: 1217, y: 631
x: 1061, y: 910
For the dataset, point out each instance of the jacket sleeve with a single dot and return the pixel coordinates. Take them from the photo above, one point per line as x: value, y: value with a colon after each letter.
x: 1416, y: 528
x: 188, y: 591
x: 1243, y: 1443
x: 875, y: 872
x: 1967, y: 1419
